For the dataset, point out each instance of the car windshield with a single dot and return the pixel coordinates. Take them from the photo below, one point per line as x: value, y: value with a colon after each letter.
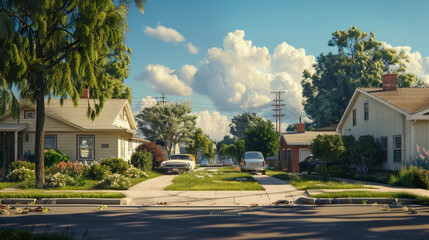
x: 253, y: 155
x: 181, y: 157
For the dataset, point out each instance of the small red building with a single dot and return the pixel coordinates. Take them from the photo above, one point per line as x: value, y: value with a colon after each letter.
x: 295, y: 147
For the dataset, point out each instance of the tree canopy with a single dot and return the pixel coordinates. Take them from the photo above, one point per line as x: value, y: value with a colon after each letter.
x: 262, y: 138
x: 359, y: 62
x: 327, y: 147
x: 240, y: 123
x: 171, y: 122
x: 199, y: 143
x: 56, y: 49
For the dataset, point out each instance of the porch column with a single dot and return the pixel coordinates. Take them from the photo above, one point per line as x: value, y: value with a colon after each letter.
x: 16, y: 147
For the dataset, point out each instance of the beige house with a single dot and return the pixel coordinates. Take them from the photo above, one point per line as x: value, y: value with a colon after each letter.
x: 397, y: 117
x: 68, y: 129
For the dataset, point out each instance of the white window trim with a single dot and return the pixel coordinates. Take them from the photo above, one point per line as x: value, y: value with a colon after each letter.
x: 78, y: 147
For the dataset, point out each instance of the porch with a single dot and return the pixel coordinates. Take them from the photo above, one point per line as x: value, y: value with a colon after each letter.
x: 11, y: 144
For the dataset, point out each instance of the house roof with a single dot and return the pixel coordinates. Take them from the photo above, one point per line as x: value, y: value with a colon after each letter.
x: 77, y: 116
x: 12, y: 127
x: 410, y: 100
x: 302, y: 138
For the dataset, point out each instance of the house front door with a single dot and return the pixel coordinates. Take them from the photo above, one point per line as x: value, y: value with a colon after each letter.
x: 7, y: 151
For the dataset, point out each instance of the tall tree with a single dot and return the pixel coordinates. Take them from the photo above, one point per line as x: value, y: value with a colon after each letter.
x: 359, y: 62
x: 198, y: 143
x: 240, y: 123
x: 171, y: 122
x: 225, y: 141
x: 55, y: 49
x: 262, y: 138
x: 327, y: 147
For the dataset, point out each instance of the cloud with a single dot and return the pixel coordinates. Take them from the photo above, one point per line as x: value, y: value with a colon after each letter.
x: 417, y: 65
x: 242, y: 76
x: 192, y: 49
x: 164, y: 80
x: 165, y: 34
x: 214, y: 124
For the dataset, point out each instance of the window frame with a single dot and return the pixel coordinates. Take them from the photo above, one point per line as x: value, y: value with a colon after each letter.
x: 365, y: 110
x: 78, y: 148
x: 354, y: 117
x: 397, y: 150
x: 29, y: 111
x: 384, y: 149
x: 56, y: 141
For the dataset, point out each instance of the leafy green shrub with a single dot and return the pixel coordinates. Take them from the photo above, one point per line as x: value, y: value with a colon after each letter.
x: 98, y: 171
x: 60, y: 180
x: 320, y: 170
x: 134, y: 172
x: 142, y: 160
x: 422, y: 159
x: 420, y: 177
x: 53, y: 157
x: 21, y: 164
x: 20, y: 174
x: 403, y: 179
x: 116, y: 165
x: 337, y: 171
x: 115, y: 181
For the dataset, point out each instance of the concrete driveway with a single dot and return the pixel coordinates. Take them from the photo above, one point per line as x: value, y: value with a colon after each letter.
x: 151, y: 192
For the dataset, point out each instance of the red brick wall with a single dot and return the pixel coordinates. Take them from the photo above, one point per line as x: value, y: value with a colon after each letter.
x: 293, y: 166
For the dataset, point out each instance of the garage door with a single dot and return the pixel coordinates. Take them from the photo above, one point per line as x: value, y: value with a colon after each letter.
x: 303, y: 153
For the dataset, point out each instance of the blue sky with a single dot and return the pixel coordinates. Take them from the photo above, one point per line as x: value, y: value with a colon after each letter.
x: 303, y: 25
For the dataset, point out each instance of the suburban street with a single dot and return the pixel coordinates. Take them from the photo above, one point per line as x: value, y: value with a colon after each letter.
x: 298, y: 222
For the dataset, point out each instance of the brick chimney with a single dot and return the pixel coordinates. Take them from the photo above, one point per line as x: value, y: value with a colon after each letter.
x: 389, y: 80
x: 301, y: 127
x: 85, y: 94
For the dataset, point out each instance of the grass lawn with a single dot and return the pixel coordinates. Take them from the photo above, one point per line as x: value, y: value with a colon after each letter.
x: 362, y: 194
x: 306, y: 182
x: 151, y: 175
x: 44, y: 194
x: 225, y: 179
x: 4, y: 185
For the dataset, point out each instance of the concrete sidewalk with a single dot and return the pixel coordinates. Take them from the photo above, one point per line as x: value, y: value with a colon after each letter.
x: 151, y: 193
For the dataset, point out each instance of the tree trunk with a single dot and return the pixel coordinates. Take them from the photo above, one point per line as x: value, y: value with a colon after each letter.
x: 40, y: 131
x: 40, y: 121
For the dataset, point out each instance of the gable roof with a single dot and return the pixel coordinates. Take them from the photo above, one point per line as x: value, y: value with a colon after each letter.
x: 302, y: 138
x: 410, y: 100
x: 76, y: 116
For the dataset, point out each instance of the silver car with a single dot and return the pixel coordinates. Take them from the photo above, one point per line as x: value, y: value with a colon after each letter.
x: 253, y: 162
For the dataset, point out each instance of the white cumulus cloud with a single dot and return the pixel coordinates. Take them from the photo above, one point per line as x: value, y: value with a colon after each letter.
x: 214, y: 124
x: 242, y: 76
x: 165, y: 34
x: 192, y: 49
x: 418, y: 65
x: 165, y: 80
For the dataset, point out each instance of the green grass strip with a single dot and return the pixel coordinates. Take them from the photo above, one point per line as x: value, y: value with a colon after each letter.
x: 4, y: 185
x: 362, y: 194
x: 42, y: 194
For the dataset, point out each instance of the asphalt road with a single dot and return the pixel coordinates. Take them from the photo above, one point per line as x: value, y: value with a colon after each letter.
x: 296, y: 222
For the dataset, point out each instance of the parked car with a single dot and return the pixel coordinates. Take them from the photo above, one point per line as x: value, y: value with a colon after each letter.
x: 310, y: 163
x: 204, y: 163
x: 178, y: 162
x: 253, y: 162
x: 228, y: 162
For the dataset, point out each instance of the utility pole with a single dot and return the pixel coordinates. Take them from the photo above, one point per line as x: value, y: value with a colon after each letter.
x: 163, y: 99
x: 278, y: 110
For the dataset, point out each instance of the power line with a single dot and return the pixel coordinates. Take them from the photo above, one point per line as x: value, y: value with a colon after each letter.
x: 163, y: 99
x: 278, y: 110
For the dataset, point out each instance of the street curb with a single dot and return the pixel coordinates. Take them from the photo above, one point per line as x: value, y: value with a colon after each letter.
x: 98, y: 201
x: 328, y: 201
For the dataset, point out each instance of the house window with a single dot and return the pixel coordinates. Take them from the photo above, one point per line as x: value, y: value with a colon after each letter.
x: 366, y: 111
x: 354, y: 117
x: 50, y: 142
x: 397, y: 149
x: 29, y: 114
x: 85, y: 147
x: 383, y: 143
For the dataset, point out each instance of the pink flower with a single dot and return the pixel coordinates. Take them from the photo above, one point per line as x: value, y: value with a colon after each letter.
x: 421, y: 156
x: 425, y: 152
x: 417, y: 148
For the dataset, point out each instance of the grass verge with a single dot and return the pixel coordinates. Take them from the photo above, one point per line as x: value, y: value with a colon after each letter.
x: 43, y: 194
x: 4, y: 185
x: 306, y: 182
x: 358, y: 194
x: 151, y: 175
x: 225, y: 179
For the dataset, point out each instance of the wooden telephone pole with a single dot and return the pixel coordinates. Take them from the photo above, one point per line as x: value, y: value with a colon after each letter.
x: 163, y: 99
x: 278, y: 110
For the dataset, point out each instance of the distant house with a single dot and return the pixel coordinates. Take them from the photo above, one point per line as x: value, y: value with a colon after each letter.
x: 397, y: 117
x: 295, y: 147
x: 69, y: 130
